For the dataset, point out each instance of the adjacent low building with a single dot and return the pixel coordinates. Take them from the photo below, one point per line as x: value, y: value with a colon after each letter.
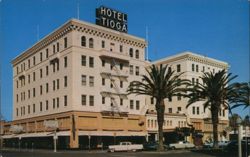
x: 194, y: 117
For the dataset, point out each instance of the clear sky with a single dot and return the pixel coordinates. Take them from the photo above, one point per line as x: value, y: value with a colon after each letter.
x: 215, y: 28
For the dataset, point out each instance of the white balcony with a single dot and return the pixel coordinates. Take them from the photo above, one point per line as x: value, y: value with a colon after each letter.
x: 115, y: 108
x: 117, y: 55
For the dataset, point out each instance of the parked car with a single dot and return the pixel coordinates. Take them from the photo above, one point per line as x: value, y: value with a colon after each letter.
x: 152, y: 146
x: 221, y: 144
x: 125, y: 146
x: 181, y: 145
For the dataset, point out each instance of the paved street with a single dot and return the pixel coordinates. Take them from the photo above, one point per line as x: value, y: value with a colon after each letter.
x: 46, y: 153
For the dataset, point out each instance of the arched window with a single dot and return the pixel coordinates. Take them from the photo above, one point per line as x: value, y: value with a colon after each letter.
x: 91, y: 43
x: 131, y: 52
x: 137, y: 54
x: 83, y: 41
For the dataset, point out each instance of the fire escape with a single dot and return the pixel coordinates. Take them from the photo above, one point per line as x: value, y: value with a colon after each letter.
x: 114, y: 75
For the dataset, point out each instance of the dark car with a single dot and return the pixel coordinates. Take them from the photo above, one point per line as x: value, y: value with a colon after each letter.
x: 152, y: 146
x: 232, y: 147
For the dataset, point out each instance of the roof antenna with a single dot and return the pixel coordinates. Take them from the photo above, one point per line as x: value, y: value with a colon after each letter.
x: 147, y: 43
x: 78, y: 12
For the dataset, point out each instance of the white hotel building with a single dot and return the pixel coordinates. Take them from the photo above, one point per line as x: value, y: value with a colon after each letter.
x: 78, y: 76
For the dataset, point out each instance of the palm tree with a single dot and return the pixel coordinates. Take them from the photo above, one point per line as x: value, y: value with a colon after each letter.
x: 159, y: 83
x: 216, y: 92
x: 243, y: 95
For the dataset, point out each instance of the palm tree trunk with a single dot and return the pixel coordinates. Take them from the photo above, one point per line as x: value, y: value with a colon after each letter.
x: 215, y: 121
x: 160, y: 118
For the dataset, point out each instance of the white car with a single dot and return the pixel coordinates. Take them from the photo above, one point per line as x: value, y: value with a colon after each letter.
x: 125, y: 146
x: 221, y: 144
x: 181, y: 145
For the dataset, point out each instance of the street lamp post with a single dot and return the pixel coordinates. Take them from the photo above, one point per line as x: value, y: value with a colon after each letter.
x: 55, y: 138
x: 239, y: 137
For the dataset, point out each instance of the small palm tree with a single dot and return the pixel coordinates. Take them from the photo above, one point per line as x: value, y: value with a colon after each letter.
x: 160, y: 83
x: 243, y: 95
x: 217, y: 93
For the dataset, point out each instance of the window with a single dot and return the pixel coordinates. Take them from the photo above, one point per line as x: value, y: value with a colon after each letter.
x: 54, y: 85
x: 28, y: 94
x: 121, y: 48
x: 198, y: 110
x: 41, y: 56
x: 137, y: 105
x: 47, y: 105
x: 197, y: 81
x: 65, y: 81
x: 131, y: 70
x: 178, y: 109
x: 103, y: 100
x: 197, y: 68
x: 169, y: 110
x: 131, y: 52
x: 83, y: 60
x: 57, y: 83
x: 192, y: 67
x: 111, y: 102
x: 91, y: 100
x: 54, y: 103
x: 28, y: 63
x: 84, y: 100
x: 57, y: 47
x: 103, y: 63
x: 41, y: 106
x: 121, y: 102
x: 170, y: 99
x: 41, y: 90
x: 65, y: 43
x: 41, y: 73
x: 17, y: 98
x: 103, y: 81
x: 193, y: 110
x: 112, y: 46
x: 179, y: 97
x: 193, y: 81
x: 34, y: 76
x: 103, y: 44
x: 28, y: 78
x: 137, y: 70
x: 223, y: 112
x: 84, y: 80
x: 34, y: 60
x: 83, y: 41
x: 137, y: 54
x: 47, y: 70
x: 152, y: 100
x: 91, y: 43
x: 121, y: 66
x: 91, y: 81
x: 111, y: 84
x: 47, y: 87
x: 131, y: 104
x: 54, y: 48
x: 34, y: 108
x: 34, y: 92
x: 178, y: 68
x: 203, y: 69
x: 91, y: 62
x: 121, y: 84
x: 17, y: 84
x: 28, y: 109
x: 57, y: 102
x: 65, y: 100
x: 65, y: 62
x: 47, y: 53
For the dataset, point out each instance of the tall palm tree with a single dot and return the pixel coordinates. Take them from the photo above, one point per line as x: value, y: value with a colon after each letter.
x: 160, y: 83
x: 216, y: 92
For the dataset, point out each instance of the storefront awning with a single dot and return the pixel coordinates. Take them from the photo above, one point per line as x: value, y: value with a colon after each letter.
x: 111, y: 133
x: 40, y: 134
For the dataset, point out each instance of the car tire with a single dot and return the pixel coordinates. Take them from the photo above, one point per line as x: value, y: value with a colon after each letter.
x: 172, y: 148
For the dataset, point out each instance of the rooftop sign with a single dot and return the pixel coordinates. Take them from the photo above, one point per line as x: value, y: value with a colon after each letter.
x: 112, y: 19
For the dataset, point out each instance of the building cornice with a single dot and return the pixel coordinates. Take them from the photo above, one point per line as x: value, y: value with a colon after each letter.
x: 192, y: 57
x: 80, y: 26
